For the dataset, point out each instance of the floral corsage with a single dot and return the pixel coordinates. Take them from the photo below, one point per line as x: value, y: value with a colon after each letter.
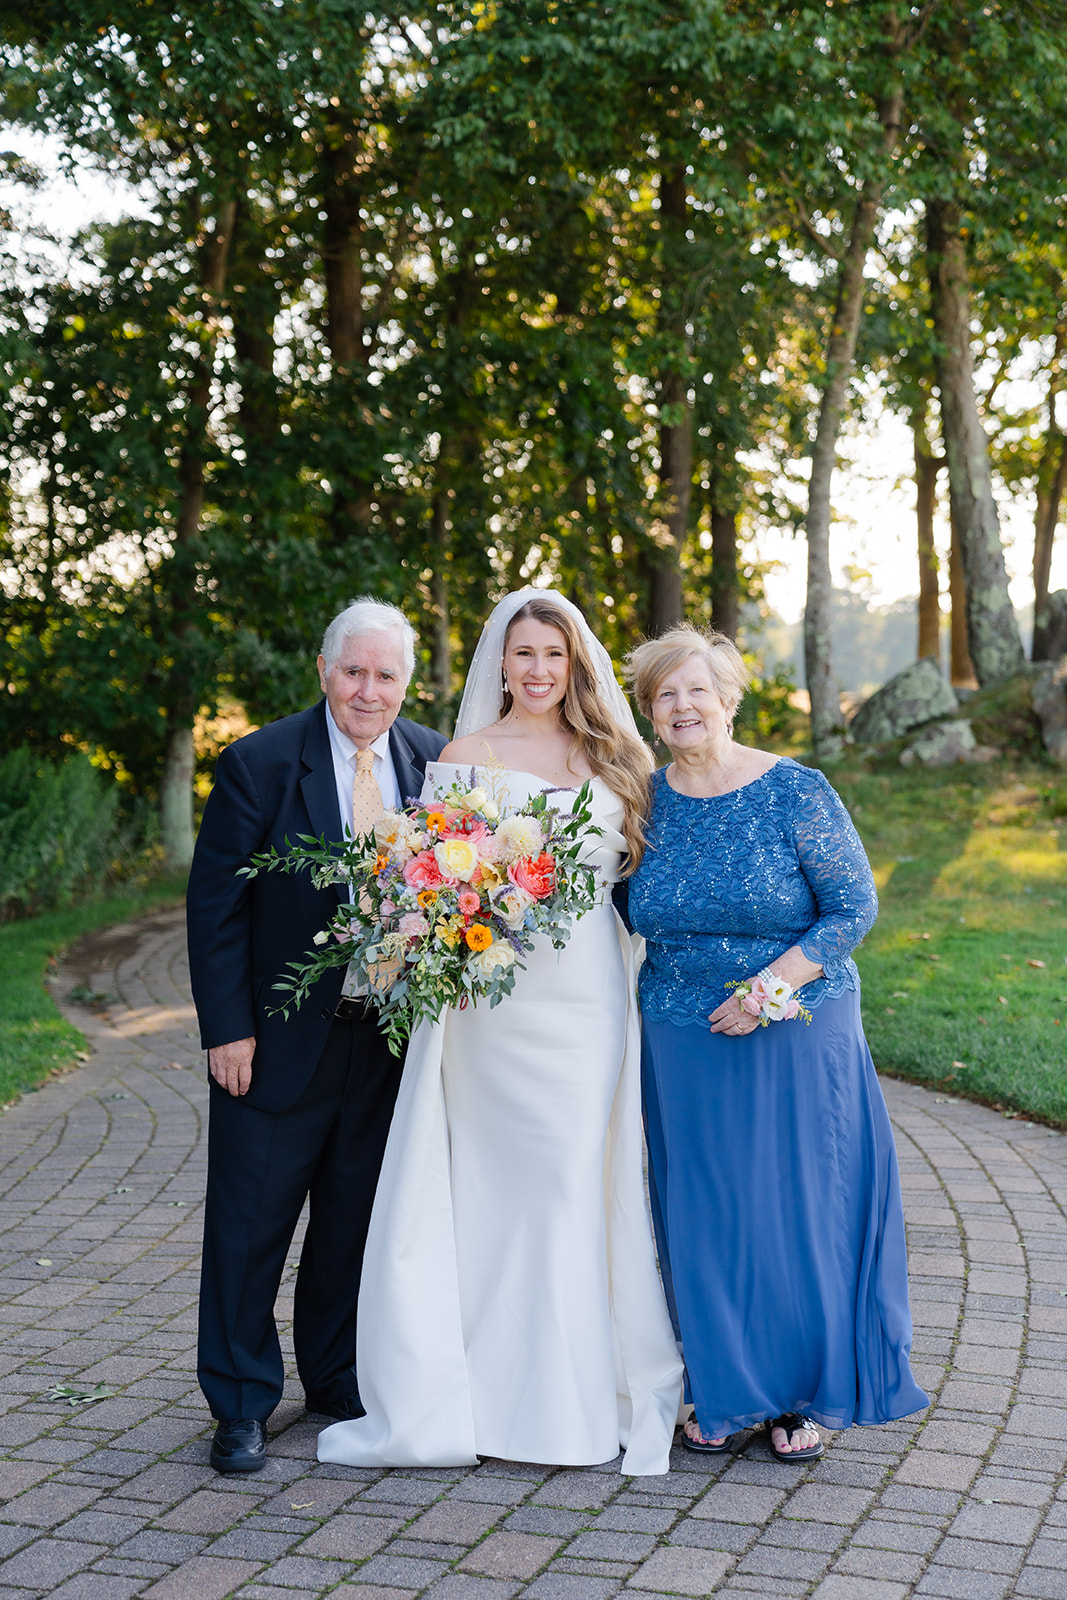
x: 769, y: 998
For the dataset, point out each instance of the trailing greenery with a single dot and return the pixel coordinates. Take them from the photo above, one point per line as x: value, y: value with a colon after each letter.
x: 965, y: 973
x: 59, y: 830
x: 34, y: 1039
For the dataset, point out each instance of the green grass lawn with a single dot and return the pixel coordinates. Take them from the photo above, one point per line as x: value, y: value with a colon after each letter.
x: 965, y: 972
x: 34, y: 1039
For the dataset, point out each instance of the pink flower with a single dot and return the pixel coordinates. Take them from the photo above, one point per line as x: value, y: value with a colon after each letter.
x: 388, y: 907
x: 792, y: 1009
x: 413, y: 925
x: 463, y: 825
x: 422, y: 872
x: 537, y: 875
x: 469, y: 902
x: 488, y: 847
x: 751, y: 1003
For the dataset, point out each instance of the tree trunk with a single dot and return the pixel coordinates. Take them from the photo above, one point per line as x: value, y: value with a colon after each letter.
x: 1051, y: 486
x: 926, y: 468
x: 992, y: 632
x: 725, y: 597
x: 827, y: 727
x: 342, y: 244
x: 176, y: 795
x: 255, y: 304
x: 961, y: 667
x: 342, y: 265
x: 441, y: 628
x: 671, y: 525
x: 180, y: 692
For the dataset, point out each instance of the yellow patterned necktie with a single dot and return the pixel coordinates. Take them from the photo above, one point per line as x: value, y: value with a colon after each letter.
x: 368, y: 807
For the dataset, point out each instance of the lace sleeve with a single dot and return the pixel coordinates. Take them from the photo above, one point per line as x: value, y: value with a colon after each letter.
x: 835, y: 864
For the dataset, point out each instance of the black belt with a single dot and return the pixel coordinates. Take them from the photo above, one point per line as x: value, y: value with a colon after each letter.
x: 357, y: 1009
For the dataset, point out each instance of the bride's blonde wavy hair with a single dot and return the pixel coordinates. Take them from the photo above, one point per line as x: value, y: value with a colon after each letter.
x: 618, y: 757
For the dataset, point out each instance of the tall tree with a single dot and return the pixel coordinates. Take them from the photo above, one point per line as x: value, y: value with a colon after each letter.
x: 992, y: 633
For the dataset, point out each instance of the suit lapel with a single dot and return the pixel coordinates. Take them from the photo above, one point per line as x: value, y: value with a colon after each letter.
x: 319, y: 785
x: 409, y: 770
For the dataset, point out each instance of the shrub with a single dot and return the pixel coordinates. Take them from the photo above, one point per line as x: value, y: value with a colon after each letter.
x: 59, y: 830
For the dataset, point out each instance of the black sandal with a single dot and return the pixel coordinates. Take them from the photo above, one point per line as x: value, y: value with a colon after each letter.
x: 704, y: 1447
x: 792, y: 1422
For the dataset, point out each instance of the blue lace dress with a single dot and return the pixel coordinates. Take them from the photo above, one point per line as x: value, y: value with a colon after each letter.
x: 772, y: 1169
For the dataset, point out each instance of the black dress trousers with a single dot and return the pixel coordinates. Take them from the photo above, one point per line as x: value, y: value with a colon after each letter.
x: 262, y: 1165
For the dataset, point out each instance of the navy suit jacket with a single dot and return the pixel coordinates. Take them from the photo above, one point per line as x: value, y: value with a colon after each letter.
x: 271, y: 786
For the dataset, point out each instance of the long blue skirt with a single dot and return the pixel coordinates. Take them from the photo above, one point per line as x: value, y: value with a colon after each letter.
x: 776, y: 1201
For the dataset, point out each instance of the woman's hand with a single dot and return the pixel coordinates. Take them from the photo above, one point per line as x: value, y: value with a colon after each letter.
x: 732, y: 1018
x: 794, y: 966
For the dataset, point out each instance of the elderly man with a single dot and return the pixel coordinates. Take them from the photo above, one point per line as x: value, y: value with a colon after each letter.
x: 301, y: 1107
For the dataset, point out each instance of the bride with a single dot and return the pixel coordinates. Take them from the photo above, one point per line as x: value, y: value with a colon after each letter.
x: 510, y: 1304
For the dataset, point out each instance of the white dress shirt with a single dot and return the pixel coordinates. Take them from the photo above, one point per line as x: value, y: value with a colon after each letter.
x: 344, y: 770
x: 343, y: 751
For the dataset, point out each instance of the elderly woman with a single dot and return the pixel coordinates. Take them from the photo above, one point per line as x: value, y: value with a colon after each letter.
x: 773, y: 1175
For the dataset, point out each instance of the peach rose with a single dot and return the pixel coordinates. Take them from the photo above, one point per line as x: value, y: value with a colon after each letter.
x: 535, y: 874
x: 423, y: 872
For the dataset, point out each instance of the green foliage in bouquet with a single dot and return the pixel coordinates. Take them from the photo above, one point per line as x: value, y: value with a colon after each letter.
x: 445, y: 898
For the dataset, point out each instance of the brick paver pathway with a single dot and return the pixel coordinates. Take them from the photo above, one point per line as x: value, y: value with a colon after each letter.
x: 102, y: 1175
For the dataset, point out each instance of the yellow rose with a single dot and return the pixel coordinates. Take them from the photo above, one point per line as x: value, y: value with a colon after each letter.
x: 492, y: 875
x: 457, y: 858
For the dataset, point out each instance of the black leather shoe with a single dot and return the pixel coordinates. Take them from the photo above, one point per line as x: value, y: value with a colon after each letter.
x: 239, y: 1446
x: 347, y: 1409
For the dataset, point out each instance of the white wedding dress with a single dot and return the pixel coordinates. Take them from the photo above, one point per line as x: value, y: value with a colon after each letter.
x: 510, y: 1304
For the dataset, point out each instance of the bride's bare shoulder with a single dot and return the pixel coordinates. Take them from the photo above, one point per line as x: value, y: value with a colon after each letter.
x: 473, y: 747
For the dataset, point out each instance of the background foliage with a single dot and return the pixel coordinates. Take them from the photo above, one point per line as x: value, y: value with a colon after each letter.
x: 433, y: 300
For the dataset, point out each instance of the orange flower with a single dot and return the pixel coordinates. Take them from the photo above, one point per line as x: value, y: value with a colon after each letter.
x: 435, y: 819
x: 478, y: 937
x: 427, y: 898
x: 381, y: 862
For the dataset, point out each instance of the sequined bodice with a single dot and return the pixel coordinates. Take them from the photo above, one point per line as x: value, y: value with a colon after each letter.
x: 729, y: 883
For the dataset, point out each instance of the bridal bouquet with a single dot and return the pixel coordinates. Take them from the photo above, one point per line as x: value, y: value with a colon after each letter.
x: 445, y: 899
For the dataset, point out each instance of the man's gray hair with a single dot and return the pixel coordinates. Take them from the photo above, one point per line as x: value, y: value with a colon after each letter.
x: 369, y: 616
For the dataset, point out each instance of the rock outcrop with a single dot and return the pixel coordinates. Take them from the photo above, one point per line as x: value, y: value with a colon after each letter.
x: 945, y: 744
x: 918, y: 694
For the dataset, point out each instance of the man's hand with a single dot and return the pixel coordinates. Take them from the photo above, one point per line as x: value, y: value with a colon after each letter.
x: 231, y: 1065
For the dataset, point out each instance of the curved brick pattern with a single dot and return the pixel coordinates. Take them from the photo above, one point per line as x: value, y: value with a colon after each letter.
x: 101, y: 1177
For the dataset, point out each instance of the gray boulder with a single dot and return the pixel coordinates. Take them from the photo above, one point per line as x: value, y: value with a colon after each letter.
x: 1049, y: 696
x: 912, y: 697
x: 945, y: 745
x: 1053, y: 619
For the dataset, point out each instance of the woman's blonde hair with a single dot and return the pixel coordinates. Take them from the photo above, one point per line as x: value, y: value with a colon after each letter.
x: 650, y: 662
x: 623, y: 761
